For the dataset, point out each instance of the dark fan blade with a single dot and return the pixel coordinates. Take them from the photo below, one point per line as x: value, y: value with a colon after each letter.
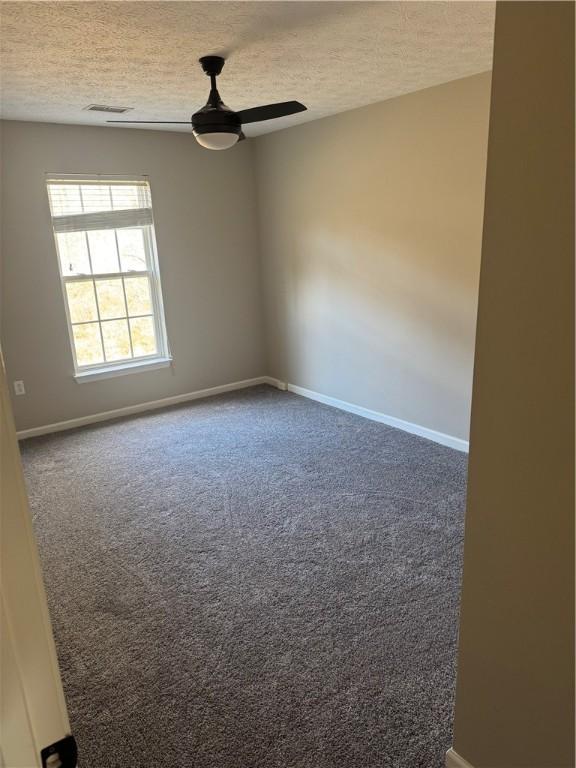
x: 269, y: 111
x: 150, y: 122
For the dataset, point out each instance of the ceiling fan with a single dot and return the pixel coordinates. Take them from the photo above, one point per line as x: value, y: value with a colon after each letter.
x: 216, y: 126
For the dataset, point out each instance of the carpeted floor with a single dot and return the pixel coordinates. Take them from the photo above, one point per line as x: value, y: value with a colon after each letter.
x: 252, y: 581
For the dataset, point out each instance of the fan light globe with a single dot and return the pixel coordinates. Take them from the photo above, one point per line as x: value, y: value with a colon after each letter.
x: 219, y: 140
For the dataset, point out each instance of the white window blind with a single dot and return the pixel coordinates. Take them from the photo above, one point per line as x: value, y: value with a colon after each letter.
x: 79, y: 207
x: 104, y: 232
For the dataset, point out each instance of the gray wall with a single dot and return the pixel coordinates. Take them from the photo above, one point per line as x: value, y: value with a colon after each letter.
x: 515, y: 692
x: 204, y: 208
x: 371, y: 225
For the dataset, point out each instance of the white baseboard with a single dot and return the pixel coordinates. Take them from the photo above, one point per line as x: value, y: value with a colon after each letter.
x: 391, y: 421
x: 60, y: 426
x: 415, y: 429
x: 453, y: 760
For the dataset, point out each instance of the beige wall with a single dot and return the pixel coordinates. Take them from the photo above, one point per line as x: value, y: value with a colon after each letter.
x: 515, y: 693
x: 370, y: 225
x: 207, y: 242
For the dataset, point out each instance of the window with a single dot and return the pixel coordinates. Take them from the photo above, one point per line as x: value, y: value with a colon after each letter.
x: 106, y: 247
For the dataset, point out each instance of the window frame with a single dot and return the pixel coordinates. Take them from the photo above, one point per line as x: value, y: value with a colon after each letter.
x: 105, y: 369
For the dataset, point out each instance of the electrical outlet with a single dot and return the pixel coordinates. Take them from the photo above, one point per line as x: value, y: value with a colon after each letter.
x: 19, y: 387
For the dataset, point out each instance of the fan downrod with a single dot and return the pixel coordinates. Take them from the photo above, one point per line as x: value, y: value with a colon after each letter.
x: 212, y: 65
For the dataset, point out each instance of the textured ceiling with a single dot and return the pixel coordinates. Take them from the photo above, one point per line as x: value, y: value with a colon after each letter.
x: 58, y: 57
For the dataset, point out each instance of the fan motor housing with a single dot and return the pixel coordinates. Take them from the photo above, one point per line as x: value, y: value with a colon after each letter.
x: 218, y: 119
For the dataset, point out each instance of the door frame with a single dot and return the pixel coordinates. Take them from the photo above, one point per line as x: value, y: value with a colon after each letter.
x: 33, y: 713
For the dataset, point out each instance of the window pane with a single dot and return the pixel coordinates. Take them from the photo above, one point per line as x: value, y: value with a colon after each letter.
x: 143, y: 336
x: 81, y: 301
x: 110, y: 298
x: 88, y: 344
x: 64, y: 199
x: 116, y: 339
x: 96, y: 197
x: 73, y: 253
x: 103, y: 251
x: 124, y: 197
x: 131, y: 246
x: 138, y: 295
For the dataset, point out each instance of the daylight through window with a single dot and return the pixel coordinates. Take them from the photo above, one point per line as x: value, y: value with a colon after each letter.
x: 106, y: 248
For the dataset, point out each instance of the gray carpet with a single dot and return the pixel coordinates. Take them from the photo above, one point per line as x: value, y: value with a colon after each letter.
x: 252, y: 581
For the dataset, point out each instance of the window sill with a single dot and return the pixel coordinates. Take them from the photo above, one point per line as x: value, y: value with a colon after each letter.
x: 120, y: 370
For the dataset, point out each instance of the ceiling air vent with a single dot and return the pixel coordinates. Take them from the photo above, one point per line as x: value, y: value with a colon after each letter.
x: 103, y: 108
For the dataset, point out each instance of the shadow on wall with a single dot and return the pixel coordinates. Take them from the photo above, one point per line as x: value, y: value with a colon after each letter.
x: 382, y: 301
x: 371, y: 229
